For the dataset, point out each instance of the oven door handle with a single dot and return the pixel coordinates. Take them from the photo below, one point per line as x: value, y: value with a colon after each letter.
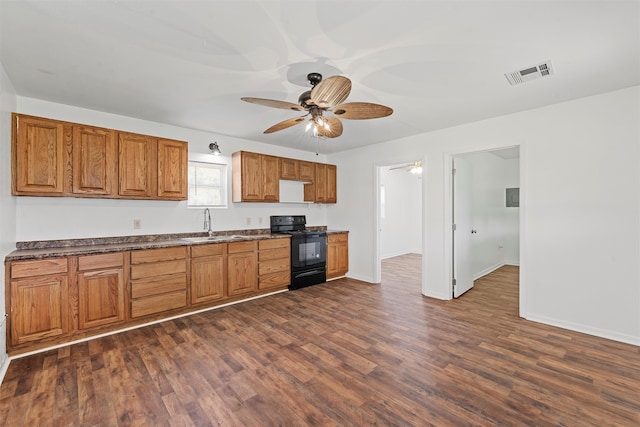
x: 307, y: 273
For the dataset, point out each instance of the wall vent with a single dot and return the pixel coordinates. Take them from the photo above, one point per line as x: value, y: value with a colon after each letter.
x: 530, y: 73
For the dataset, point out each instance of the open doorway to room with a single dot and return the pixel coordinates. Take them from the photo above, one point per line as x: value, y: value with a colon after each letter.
x: 485, y: 216
x: 399, y: 229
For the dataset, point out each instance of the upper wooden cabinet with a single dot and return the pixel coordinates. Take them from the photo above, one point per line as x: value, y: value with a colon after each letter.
x: 172, y: 169
x: 55, y: 158
x: 38, y: 157
x: 255, y: 177
x: 137, y: 157
x: 94, y: 163
x: 323, y: 189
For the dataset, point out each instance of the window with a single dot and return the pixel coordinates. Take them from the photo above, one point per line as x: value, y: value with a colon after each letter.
x: 207, y: 185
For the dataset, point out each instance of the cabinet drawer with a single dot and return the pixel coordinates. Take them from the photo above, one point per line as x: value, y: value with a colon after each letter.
x: 284, y: 253
x: 38, y: 268
x: 236, y: 247
x: 158, y: 303
x: 158, y: 285
x: 208, y: 250
x: 273, y: 243
x: 338, y: 238
x: 155, y: 255
x: 273, y: 266
x: 94, y: 262
x: 279, y: 279
x: 158, y: 269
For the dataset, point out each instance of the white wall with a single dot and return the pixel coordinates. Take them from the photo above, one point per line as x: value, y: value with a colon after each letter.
x: 401, y: 227
x: 49, y: 218
x: 7, y: 202
x: 580, y: 202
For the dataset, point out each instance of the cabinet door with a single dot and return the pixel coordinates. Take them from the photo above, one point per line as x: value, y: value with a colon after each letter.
x: 38, y: 154
x: 307, y: 171
x: 331, y: 184
x: 137, y: 161
x: 343, y: 258
x: 321, y: 182
x: 242, y: 272
x: 252, y: 183
x: 270, y: 179
x: 39, y: 308
x: 101, y: 297
x: 208, y: 278
x: 94, y: 166
x: 172, y: 169
x: 289, y: 169
x: 332, y: 260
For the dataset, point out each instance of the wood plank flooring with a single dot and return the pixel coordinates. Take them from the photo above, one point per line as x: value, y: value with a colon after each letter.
x: 345, y: 353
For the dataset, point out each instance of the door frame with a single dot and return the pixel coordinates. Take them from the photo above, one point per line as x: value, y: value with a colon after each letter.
x: 448, y: 216
x: 377, y: 222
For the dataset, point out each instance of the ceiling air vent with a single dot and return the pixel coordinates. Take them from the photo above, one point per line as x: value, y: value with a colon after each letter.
x: 530, y: 73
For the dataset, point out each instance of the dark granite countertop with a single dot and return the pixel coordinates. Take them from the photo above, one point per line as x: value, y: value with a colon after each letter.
x: 337, y: 231
x: 91, y: 246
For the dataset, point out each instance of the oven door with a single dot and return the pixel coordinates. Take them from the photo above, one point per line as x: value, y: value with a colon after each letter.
x: 308, y: 251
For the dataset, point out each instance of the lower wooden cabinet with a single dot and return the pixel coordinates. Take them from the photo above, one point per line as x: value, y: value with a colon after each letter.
x: 274, y: 263
x: 242, y: 267
x: 101, y: 290
x: 158, y: 280
x: 60, y: 299
x: 38, y: 306
x: 208, y: 273
x: 337, y: 255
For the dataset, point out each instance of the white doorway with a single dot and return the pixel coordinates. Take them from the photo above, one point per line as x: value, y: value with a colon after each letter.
x: 399, y: 215
x: 485, y: 223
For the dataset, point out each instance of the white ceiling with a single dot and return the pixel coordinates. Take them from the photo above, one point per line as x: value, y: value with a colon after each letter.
x: 436, y: 63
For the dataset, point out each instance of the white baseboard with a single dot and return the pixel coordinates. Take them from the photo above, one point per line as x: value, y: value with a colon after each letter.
x: 487, y: 271
x: 585, y: 329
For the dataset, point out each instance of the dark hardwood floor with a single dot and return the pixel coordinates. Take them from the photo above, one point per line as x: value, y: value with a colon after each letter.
x: 345, y: 353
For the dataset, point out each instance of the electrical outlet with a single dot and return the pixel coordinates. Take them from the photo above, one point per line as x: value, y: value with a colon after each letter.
x: 248, y: 220
x: 137, y: 223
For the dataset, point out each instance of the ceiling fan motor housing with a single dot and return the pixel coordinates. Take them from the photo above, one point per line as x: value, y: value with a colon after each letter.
x: 314, y: 78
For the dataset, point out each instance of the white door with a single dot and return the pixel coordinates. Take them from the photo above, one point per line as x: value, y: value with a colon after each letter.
x: 462, y: 225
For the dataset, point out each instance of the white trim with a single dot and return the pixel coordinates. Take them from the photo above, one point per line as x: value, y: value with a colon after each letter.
x: 3, y: 368
x: 487, y: 271
x: 577, y: 327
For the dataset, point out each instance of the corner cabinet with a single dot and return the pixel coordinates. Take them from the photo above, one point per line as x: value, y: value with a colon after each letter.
x: 256, y: 177
x: 38, y: 157
x: 38, y: 306
x: 62, y: 159
x: 337, y: 255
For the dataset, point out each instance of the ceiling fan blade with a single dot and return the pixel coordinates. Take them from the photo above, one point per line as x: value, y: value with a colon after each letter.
x: 361, y: 111
x: 274, y: 103
x: 331, y: 91
x: 401, y: 167
x: 335, y: 128
x: 285, y: 124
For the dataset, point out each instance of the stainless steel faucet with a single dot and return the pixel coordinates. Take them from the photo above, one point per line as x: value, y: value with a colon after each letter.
x: 207, y: 221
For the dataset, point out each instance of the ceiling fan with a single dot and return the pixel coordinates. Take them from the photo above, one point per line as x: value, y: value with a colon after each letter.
x: 325, y: 96
x: 415, y: 167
